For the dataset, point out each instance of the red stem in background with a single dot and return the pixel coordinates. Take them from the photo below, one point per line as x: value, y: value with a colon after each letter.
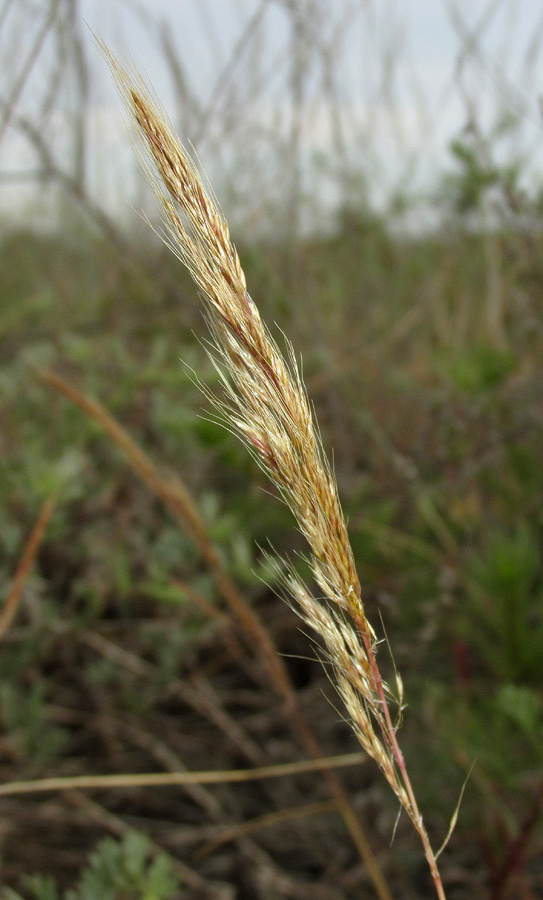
x: 514, y: 857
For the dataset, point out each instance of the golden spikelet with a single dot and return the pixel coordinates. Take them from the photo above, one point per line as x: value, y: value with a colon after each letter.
x: 266, y: 403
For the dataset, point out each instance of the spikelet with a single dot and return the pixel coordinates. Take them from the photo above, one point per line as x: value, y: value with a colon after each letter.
x: 266, y: 403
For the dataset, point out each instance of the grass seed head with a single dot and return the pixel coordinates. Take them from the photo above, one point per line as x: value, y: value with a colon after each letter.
x: 266, y: 403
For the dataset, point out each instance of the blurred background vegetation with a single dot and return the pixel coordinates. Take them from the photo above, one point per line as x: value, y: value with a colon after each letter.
x: 410, y: 281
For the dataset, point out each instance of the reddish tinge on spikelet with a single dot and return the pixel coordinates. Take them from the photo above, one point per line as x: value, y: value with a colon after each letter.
x: 266, y: 403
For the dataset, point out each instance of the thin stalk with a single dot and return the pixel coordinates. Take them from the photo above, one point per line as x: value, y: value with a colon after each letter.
x: 389, y: 735
x: 30, y: 551
x: 169, y: 779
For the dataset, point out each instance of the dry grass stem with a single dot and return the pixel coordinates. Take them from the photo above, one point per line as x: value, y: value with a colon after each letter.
x: 167, y: 779
x: 31, y: 548
x: 265, y: 401
x: 232, y: 832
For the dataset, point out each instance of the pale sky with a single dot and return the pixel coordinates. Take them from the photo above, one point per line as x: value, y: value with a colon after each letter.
x: 381, y: 88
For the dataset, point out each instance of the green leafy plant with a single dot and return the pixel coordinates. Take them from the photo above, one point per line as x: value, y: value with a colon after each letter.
x: 505, y: 616
x: 25, y: 719
x: 117, y: 870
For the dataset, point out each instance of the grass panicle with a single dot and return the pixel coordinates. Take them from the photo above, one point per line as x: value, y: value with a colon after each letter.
x: 265, y: 401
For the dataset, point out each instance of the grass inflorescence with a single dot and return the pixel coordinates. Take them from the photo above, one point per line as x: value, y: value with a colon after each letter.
x: 265, y: 402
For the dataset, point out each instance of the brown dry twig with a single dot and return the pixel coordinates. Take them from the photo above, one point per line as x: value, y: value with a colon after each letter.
x: 167, y: 779
x: 228, y: 833
x: 11, y: 102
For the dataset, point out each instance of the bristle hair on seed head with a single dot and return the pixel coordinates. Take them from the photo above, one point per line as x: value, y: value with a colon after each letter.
x: 264, y: 398
x: 265, y: 402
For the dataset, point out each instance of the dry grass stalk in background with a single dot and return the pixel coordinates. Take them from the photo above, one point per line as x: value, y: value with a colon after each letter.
x: 266, y: 403
x: 166, y: 779
x: 32, y: 546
